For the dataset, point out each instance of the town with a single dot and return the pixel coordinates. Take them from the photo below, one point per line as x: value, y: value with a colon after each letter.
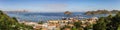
x: 57, y: 24
x: 59, y: 14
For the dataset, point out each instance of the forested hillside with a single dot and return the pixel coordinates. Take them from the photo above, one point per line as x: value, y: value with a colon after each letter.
x: 101, y: 12
x: 108, y: 23
x: 7, y: 23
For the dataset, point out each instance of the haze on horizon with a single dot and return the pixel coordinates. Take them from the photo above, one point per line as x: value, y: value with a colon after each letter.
x: 59, y: 5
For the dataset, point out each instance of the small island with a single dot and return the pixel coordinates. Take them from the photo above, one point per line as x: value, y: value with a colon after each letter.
x: 101, y: 12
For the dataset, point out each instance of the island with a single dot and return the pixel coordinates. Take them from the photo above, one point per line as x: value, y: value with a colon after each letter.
x: 101, y: 12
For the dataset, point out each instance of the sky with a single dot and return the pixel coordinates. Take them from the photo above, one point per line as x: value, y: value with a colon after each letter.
x: 59, y: 5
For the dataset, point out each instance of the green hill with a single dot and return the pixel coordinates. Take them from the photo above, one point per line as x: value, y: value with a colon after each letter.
x: 7, y: 23
x: 101, y: 12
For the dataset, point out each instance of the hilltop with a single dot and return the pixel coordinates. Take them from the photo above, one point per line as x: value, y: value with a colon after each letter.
x: 101, y: 12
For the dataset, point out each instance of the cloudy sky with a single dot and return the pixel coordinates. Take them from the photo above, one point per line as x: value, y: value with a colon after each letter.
x: 58, y: 5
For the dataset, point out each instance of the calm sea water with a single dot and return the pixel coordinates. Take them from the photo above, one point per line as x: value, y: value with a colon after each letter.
x: 37, y: 16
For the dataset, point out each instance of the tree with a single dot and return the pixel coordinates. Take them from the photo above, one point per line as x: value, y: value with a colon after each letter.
x: 41, y: 22
x: 66, y: 26
x: 118, y: 27
x: 115, y: 21
x: 7, y: 23
x: 101, y: 25
x: 73, y: 28
x: 88, y: 27
x: 108, y: 23
x: 77, y: 24
x: 15, y: 19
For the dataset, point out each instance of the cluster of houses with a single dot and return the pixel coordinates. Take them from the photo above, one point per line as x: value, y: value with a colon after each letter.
x: 57, y: 24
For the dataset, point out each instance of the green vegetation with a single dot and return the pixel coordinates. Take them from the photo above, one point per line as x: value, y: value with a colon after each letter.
x: 108, y: 23
x: 73, y: 28
x: 77, y: 24
x: 65, y: 27
x: 41, y: 22
x: 7, y: 23
x: 118, y: 28
x: 101, y: 12
x: 101, y: 25
x: 104, y: 23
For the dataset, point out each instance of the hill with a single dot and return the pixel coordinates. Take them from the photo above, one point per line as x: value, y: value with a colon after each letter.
x: 101, y: 12
x: 7, y: 23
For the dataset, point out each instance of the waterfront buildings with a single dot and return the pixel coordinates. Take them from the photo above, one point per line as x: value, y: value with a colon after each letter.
x: 57, y: 24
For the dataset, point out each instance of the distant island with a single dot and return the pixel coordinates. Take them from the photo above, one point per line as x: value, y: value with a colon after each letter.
x: 101, y: 12
x: 17, y: 11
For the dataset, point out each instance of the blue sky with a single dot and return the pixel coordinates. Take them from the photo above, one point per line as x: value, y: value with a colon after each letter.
x: 58, y: 5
